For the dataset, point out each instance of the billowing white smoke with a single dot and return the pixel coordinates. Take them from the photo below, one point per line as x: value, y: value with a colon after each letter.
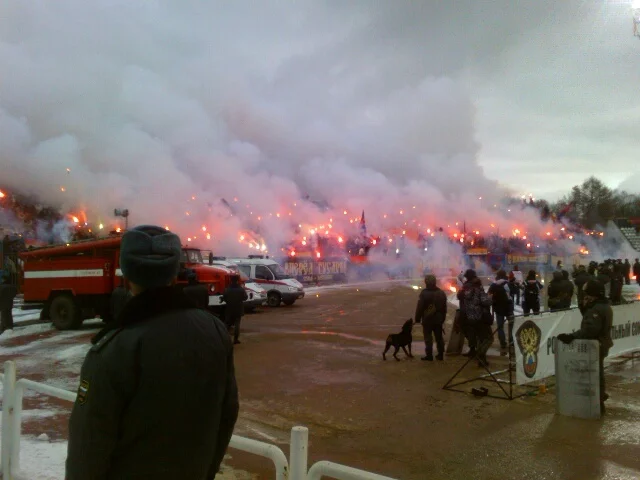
x: 165, y: 108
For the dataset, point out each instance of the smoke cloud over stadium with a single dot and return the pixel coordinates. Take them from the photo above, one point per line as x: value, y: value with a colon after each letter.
x: 167, y: 108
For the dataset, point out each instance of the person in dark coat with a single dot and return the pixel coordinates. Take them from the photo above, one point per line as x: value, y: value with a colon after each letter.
x: 431, y: 311
x: 234, y: 297
x: 582, y: 277
x: 196, y: 291
x: 604, y: 277
x: 473, y: 302
x: 556, y: 292
x: 119, y: 298
x: 502, y: 301
x: 569, y: 288
x: 531, y: 294
x: 636, y: 271
x: 7, y: 294
x: 560, y: 291
x: 626, y: 271
x: 596, y: 325
x: 617, y: 282
x: 518, y: 280
x: 157, y: 396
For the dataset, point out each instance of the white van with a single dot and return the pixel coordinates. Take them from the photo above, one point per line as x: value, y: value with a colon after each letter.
x: 257, y: 295
x: 280, y: 287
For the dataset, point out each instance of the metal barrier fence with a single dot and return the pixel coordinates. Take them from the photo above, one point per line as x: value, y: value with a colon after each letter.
x: 13, y: 394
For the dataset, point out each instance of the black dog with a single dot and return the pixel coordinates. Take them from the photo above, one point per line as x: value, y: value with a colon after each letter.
x: 400, y: 340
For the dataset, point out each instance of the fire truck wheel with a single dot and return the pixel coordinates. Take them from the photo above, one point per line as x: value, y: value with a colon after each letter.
x: 273, y: 299
x: 65, y: 314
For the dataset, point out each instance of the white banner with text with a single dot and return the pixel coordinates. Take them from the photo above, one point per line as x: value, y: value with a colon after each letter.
x: 535, y: 338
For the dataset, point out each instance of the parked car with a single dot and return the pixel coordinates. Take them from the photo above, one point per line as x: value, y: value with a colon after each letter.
x: 280, y: 287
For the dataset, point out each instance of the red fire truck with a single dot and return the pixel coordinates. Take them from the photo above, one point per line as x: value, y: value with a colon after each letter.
x: 74, y: 281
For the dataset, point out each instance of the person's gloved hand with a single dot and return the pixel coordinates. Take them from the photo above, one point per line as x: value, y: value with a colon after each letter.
x: 565, y: 338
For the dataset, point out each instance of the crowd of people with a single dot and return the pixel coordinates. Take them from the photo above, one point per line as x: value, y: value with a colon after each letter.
x: 597, y: 287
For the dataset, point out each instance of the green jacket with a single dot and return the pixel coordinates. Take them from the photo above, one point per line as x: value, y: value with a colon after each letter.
x: 596, y: 325
x: 157, y: 397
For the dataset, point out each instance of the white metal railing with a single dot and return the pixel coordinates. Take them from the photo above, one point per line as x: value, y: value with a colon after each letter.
x: 296, y: 469
x: 262, y: 449
x: 342, y: 472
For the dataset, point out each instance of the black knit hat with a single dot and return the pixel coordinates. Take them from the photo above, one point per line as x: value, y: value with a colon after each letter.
x: 470, y: 275
x: 594, y: 288
x: 150, y: 256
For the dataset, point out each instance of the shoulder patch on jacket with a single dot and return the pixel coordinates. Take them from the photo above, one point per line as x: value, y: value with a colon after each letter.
x: 83, y: 392
x: 104, y: 340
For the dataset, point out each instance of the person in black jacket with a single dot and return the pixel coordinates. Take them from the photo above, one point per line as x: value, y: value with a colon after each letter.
x: 582, y: 277
x: 502, y: 301
x: 597, y: 320
x: 569, y: 286
x: 617, y: 282
x: 474, y: 303
x: 7, y: 293
x: 604, y: 277
x: 234, y: 297
x: 432, y: 312
x: 157, y: 396
x: 532, y: 288
x: 560, y: 291
x: 626, y: 270
x: 636, y: 270
x: 196, y: 291
x: 119, y: 298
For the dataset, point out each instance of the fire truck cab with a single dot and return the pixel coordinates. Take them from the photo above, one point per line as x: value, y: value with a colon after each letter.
x: 74, y: 281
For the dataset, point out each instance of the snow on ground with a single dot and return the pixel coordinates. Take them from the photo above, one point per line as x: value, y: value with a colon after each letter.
x: 20, y: 331
x: 22, y: 316
x: 43, y: 459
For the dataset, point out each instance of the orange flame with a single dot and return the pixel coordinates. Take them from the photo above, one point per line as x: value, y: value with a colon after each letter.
x: 75, y: 220
x: 453, y: 289
x: 2, y: 195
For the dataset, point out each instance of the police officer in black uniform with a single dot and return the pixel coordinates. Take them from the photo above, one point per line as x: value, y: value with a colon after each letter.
x: 157, y: 396
x: 234, y: 296
x: 431, y: 311
x: 596, y: 324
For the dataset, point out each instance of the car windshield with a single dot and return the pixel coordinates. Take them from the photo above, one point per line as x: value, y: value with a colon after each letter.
x: 191, y: 256
x: 279, y: 272
x: 235, y: 269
